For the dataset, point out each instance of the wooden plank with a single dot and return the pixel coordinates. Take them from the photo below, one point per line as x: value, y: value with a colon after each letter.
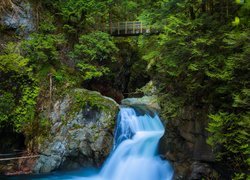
x: 16, y: 158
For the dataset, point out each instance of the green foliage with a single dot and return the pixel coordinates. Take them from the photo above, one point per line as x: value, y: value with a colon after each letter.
x: 24, y: 113
x: 201, y: 59
x: 76, y: 10
x: 42, y: 49
x: 93, y: 52
x: 89, y: 71
x: 95, y: 46
x: 242, y: 99
x: 82, y: 99
x: 12, y: 61
x: 199, y: 56
x: 125, y: 10
x: 79, y: 16
x: 92, y: 99
x: 7, y: 103
x: 235, y: 132
x: 18, y: 90
x: 241, y: 176
x: 47, y: 24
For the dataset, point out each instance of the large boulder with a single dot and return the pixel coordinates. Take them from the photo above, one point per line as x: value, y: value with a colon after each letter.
x: 81, y: 133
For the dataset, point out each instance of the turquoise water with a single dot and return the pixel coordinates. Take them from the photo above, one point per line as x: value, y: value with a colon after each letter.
x: 134, y: 155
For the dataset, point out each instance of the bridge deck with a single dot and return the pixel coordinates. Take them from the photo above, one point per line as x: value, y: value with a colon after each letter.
x: 128, y: 28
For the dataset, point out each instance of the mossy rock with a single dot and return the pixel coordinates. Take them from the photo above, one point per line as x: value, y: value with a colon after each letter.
x: 82, y: 98
x: 83, y: 123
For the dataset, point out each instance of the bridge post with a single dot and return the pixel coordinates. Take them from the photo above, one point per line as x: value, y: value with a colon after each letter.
x: 118, y: 27
x: 133, y: 26
x: 141, y: 27
x: 126, y: 27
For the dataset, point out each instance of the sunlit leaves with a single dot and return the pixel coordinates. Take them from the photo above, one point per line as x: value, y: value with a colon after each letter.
x: 89, y: 71
x: 239, y: 1
x: 18, y: 89
x: 14, y: 62
x: 236, y: 21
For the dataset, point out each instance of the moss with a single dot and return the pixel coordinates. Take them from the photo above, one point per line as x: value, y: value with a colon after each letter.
x: 94, y: 126
x: 79, y: 99
x: 64, y: 120
x: 82, y: 98
x: 2, y: 28
x: 77, y: 126
x: 96, y: 137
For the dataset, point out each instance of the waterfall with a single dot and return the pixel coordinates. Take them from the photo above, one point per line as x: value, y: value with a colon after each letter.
x: 134, y: 155
x: 135, y: 149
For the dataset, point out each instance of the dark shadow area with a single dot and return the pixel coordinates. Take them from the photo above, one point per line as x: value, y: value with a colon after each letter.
x: 11, y: 142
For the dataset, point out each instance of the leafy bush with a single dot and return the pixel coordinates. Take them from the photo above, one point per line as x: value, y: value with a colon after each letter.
x: 42, y: 49
x: 18, y: 89
x: 94, y: 52
x: 7, y: 104
x: 24, y: 113
x: 230, y: 133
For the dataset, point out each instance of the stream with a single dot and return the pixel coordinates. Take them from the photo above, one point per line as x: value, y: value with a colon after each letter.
x: 134, y: 155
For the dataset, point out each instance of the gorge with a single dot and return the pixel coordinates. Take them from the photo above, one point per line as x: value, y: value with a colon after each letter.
x: 68, y: 66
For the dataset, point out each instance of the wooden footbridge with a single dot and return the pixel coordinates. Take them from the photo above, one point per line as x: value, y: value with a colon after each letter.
x: 128, y: 28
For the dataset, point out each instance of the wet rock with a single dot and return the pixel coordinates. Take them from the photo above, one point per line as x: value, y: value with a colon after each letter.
x: 202, y: 171
x: 184, y: 143
x: 149, y: 101
x: 18, y: 18
x: 82, y: 132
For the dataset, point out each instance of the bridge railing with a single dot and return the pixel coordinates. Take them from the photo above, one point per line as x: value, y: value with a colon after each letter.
x: 128, y: 28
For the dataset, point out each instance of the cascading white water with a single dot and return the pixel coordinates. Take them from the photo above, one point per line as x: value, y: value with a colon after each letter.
x: 134, y: 155
x: 135, y: 149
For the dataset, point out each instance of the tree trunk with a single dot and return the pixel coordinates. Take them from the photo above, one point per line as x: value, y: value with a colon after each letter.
x: 191, y: 12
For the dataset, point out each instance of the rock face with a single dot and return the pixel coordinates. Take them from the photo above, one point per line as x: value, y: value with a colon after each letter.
x: 81, y: 132
x: 184, y: 143
x: 149, y: 101
x: 18, y: 17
